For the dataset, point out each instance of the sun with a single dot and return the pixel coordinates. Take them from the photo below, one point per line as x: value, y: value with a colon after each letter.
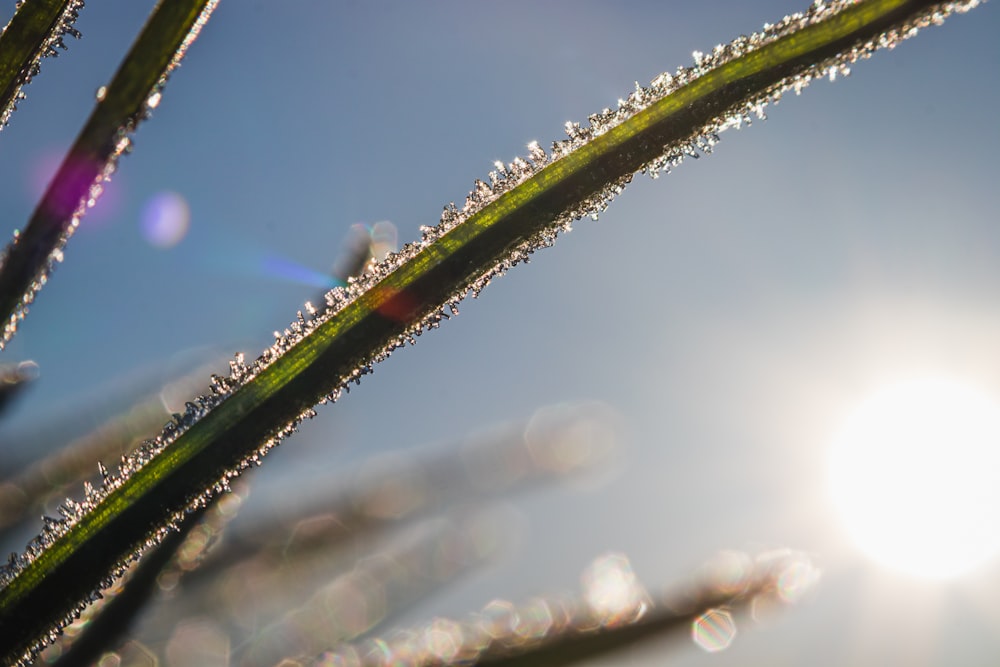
x: 915, y: 475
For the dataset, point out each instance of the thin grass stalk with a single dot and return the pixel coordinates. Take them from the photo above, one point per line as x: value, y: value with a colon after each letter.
x: 375, y: 500
x: 35, y: 31
x: 133, y: 92
x: 13, y: 380
x: 113, y: 622
x: 25, y: 491
x: 615, y: 613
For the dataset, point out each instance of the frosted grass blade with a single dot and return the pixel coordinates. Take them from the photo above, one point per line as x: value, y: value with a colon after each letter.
x: 26, y: 490
x: 36, y: 30
x: 113, y: 620
x: 322, y: 352
x: 134, y: 91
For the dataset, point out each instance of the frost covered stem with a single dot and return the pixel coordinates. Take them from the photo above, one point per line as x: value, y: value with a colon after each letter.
x: 105, y: 136
x: 116, y: 618
x: 35, y: 31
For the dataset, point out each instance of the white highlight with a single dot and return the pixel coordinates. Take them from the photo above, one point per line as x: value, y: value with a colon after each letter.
x: 915, y: 474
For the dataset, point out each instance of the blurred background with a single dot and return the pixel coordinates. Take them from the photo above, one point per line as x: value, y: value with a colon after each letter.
x: 729, y: 316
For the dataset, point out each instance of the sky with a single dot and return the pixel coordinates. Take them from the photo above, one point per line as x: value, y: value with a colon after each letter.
x: 732, y: 314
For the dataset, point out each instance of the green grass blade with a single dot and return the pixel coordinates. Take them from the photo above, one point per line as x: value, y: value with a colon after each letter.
x: 133, y: 92
x: 523, y: 208
x: 114, y: 621
x: 35, y: 31
x: 24, y: 492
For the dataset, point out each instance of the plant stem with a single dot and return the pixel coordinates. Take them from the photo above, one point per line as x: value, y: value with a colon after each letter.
x: 115, y: 619
x: 122, y: 104
x: 35, y: 31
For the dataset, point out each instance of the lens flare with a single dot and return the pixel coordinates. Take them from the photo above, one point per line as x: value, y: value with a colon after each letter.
x: 714, y: 630
x: 165, y: 219
x: 43, y: 169
x: 285, y: 269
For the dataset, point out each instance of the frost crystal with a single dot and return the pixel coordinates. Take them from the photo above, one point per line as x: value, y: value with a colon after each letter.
x: 50, y: 47
x: 501, y: 180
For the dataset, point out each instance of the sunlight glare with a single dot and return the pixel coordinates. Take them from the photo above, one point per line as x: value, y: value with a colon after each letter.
x: 166, y: 218
x: 915, y: 475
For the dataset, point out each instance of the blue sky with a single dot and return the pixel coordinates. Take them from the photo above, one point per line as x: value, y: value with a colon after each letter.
x: 731, y: 312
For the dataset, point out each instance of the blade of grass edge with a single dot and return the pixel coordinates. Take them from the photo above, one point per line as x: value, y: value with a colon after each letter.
x: 227, y: 431
x: 114, y: 620
x: 24, y: 491
x: 133, y: 92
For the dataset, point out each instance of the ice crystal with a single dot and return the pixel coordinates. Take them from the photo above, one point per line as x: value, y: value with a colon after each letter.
x: 49, y: 47
x: 501, y: 180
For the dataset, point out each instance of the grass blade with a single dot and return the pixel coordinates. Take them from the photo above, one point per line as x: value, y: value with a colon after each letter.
x: 522, y: 209
x: 307, y: 605
x: 615, y: 613
x: 35, y: 31
x: 134, y: 90
x: 113, y: 621
x: 557, y: 442
x: 13, y: 380
x: 26, y: 490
